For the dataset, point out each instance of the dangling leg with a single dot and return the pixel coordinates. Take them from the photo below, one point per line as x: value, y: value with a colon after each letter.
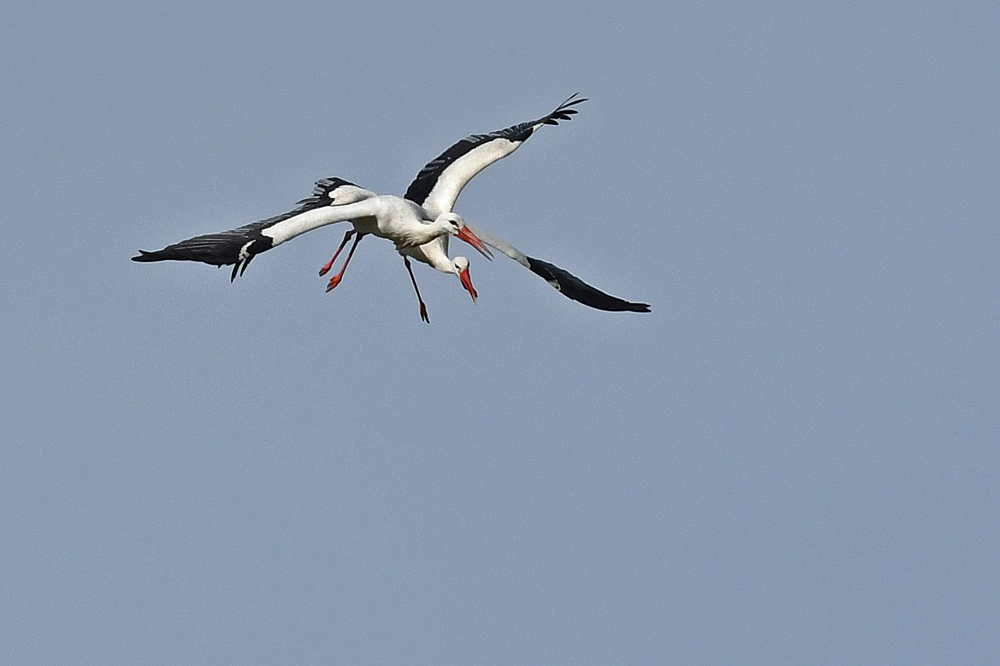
x: 423, y: 308
x: 335, y: 280
x: 326, y: 269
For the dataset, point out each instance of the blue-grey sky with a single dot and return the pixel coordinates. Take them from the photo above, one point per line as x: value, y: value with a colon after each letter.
x: 791, y: 460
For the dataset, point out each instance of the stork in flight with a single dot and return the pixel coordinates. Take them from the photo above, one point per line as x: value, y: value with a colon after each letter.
x: 437, y: 186
x: 418, y: 224
x: 435, y: 254
x: 401, y: 221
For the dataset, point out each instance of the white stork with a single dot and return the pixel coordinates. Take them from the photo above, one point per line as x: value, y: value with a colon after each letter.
x: 435, y: 253
x: 334, y: 200
x: 437, y: 186
x: 418, y: 224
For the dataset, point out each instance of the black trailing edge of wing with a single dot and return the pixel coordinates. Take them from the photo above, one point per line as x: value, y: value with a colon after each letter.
x: 578, y: 290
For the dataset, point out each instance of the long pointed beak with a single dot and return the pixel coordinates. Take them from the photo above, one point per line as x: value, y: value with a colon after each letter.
x: 467, y: 283
x: 474, y: 241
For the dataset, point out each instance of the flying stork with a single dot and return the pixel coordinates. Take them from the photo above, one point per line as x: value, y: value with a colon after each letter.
x: 419, y: 223
x: 437, y: 186
x: 334, y: 200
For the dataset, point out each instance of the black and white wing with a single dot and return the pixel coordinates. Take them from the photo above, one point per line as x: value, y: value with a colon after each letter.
x: 438, y: 184
x: 567, y: 283
x: 337, y: 192
x: 239, y: 246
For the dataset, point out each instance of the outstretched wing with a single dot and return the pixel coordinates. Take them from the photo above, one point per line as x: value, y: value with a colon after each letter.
x: 438, y: 184
x: 567, y: 283
x: 239, y: 246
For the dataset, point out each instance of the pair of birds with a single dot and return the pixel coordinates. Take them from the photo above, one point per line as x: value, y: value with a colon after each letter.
x: 419, y: 223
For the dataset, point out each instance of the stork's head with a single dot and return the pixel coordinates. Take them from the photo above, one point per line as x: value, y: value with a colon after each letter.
x: 461, y: 268
x: 455, y: 225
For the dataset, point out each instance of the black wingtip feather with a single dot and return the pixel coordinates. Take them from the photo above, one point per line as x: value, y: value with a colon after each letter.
x: 145, y: 255
x: 564, y: 111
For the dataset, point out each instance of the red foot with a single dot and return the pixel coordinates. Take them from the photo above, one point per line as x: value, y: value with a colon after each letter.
x: 334, y: 281
x: 326, y: 269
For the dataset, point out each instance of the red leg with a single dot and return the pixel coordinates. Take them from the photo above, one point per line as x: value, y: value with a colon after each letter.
x: 423, y: 308
x: 326, y: 269
x: 335, y: 280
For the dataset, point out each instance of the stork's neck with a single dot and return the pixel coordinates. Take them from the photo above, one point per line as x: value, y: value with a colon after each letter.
x: 442, y: 263
x: 436, y: 255
x: 425, y: 233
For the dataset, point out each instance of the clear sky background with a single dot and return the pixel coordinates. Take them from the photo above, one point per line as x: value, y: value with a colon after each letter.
x: 792, y: 460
